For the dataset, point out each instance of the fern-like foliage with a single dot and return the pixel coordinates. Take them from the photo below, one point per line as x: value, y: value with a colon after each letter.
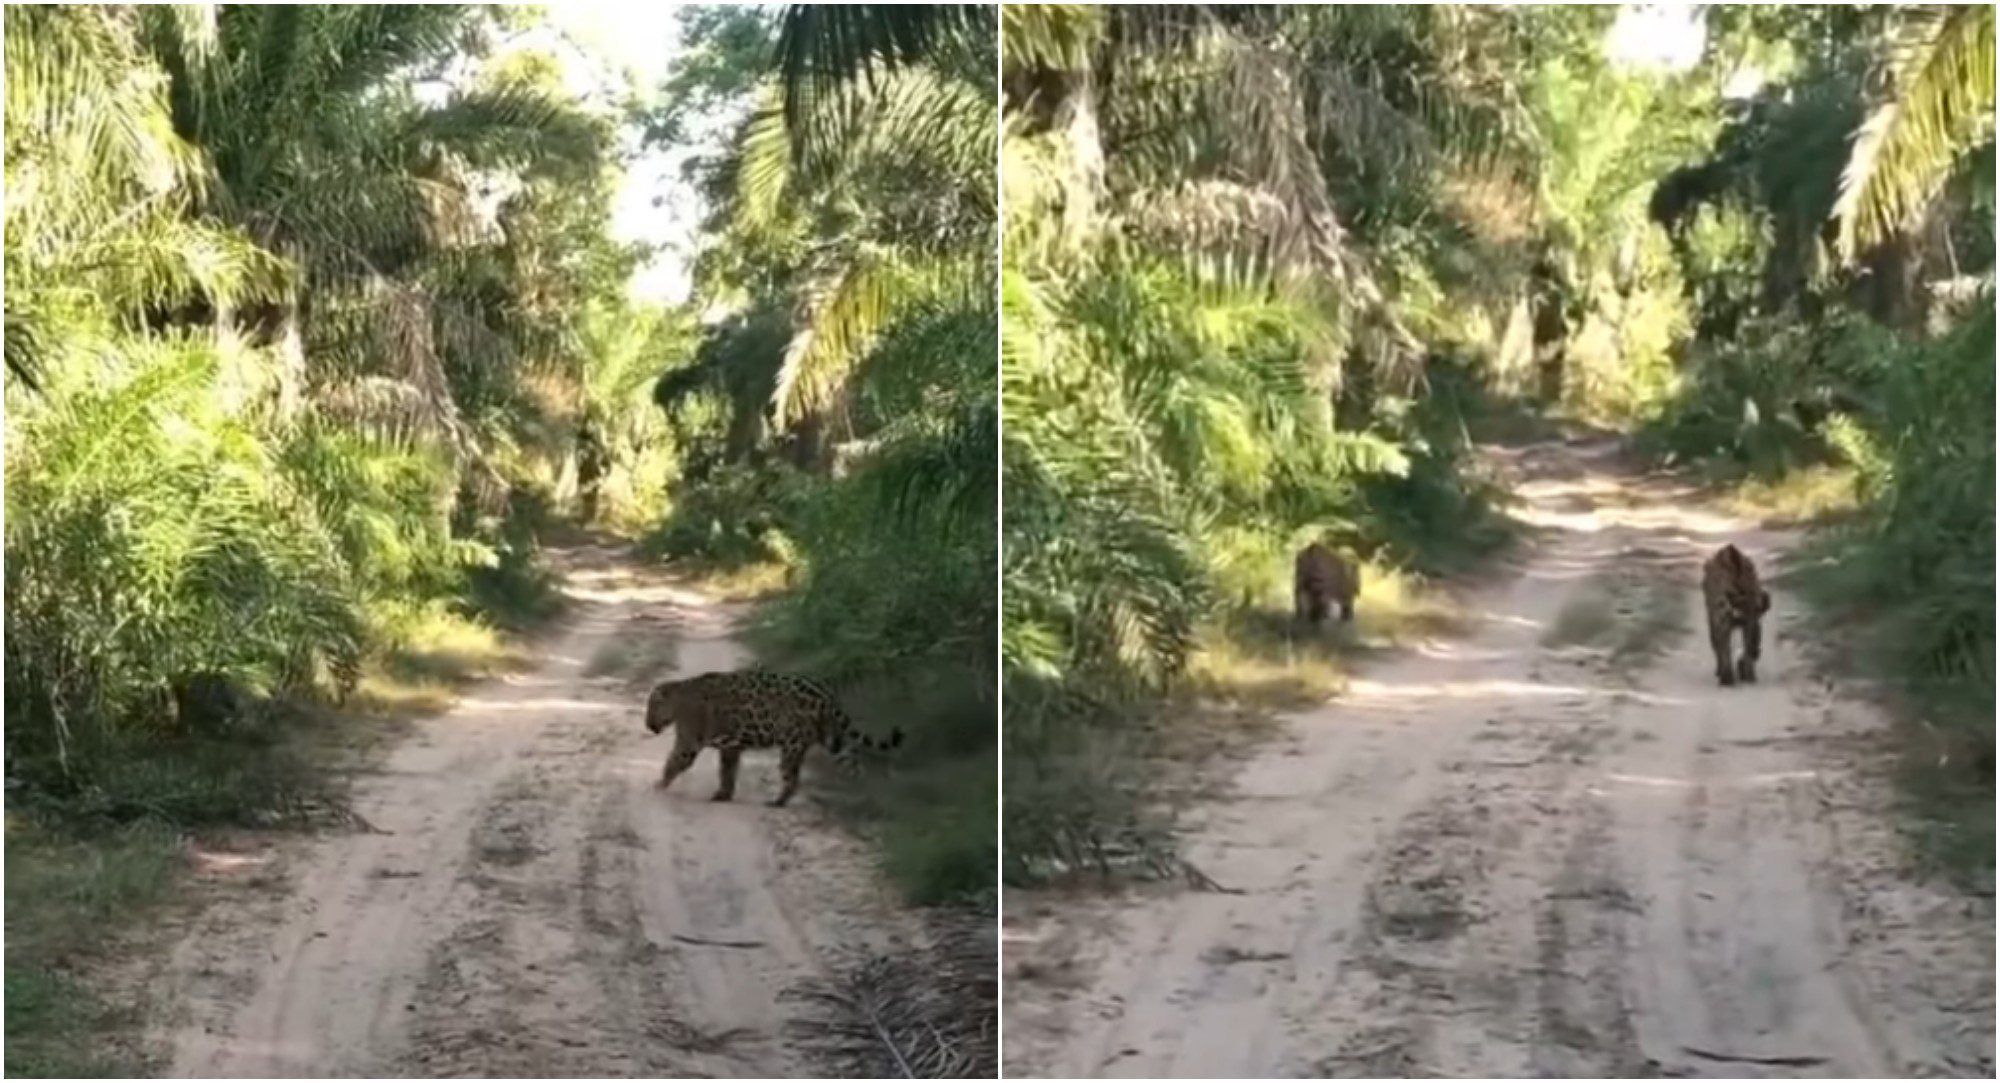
x: 1941, y: 79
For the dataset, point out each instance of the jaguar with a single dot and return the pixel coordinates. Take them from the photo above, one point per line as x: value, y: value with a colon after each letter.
x: 1736, y: 600
x: 1321, y: 579
x: 754, y: 708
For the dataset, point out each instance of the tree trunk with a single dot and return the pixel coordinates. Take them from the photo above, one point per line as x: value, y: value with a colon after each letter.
x: 1065, y: 102
x: 1551, y: 332
x: 747, y: 430
x: 1514, y: 355
x: 279, y: 324
x: 1890, y: 286
x: 290, y: 347
x: 1076, y: 119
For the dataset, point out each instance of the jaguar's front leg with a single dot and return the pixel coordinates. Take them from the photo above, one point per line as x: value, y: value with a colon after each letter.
x: 680, y: 760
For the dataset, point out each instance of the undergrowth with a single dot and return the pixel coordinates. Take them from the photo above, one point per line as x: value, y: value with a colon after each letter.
x: 1816, y: 495
x: 1080, y: 798
x: 67, y: 895
x: 96, y: 843
x: 1912, y: 574
x: 907, y: 659
x: 1259, y: 654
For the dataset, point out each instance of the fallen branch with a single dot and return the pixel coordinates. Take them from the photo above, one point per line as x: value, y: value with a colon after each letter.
x: 1201, y: 881
x: 707, y: 943
x: 1798, y: 1061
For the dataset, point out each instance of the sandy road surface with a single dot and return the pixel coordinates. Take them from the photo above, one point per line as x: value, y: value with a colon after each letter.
x: 1507, y: 855
x: 530, y: 905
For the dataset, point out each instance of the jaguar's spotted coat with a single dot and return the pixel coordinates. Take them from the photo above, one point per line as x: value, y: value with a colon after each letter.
x: 1322, y: 579
x: 1735, y: 599
x: 753, y: 708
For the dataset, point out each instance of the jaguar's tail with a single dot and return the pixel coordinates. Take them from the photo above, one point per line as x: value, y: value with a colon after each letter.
x: 843, y: 735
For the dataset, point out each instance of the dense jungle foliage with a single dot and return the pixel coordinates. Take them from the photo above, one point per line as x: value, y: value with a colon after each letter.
x: 1268, y: 268
x: 318, y: 331
x: 840, y: 412
x: 316, y: 325
x: 306, y: 310
x: 309, y: 313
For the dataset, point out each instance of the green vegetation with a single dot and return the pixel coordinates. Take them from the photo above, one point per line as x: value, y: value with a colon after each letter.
x: 839, y: 413
x: 1847, y: 336
x: 318, y: 330
x: 63, y: 893
x: 1912, y: 574
x: 1256, y: 269
x: 289, y: 405
x: 309, y: 312
x: 1267, y: 268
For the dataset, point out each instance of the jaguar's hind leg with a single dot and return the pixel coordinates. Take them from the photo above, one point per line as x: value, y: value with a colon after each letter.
x: 1718, y: 639
x: 788, y: 767
x: 730, y: 758
x: 1746, y: 667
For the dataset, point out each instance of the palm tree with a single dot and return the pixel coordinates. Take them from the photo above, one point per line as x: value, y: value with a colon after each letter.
x: 99, y: 186
x: 1941, y: 75
x: 1198, y: 258
x: 823, y: 49
x: 323, y: 154
x: 881, y: 120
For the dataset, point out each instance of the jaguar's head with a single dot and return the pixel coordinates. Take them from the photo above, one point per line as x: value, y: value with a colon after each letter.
x: 659, y: 706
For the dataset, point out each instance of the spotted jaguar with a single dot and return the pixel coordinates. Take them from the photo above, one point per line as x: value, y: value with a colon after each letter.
x: 1321, y: 579
x: 754, y: 708
x: 1736, y: 600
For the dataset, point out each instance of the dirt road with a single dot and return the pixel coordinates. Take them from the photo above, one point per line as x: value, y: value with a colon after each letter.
x: 528, y: 903
x: 1550, y: 847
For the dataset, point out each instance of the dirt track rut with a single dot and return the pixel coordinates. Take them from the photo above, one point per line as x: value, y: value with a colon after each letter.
x: 1507, y: 856
x: 528, y: 903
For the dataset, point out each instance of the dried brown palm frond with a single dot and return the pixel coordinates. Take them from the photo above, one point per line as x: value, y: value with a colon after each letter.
x: 927, y: 1013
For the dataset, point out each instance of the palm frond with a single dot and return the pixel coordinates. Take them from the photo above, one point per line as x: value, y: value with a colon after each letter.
x: 763, y: 169
x: 507, y: 126
x: 823, y: 47
x: 1055, y: 36
x: 839, y: 319
x: 942, y: 474
x: 77, y: 96
x: 1942, y: 102
x: 844, y: 314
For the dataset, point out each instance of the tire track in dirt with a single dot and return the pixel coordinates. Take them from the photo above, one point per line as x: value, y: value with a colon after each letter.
x: 531, y: 905
x: 1510, y: 856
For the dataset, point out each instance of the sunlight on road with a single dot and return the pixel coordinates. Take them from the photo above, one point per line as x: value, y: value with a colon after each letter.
x: 219, y: 862
x: 1363, y: 692
x: 482, y: 704
x: 1769, y: 778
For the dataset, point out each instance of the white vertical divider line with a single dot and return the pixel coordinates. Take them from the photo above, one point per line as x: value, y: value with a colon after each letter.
x: 999, y: 548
